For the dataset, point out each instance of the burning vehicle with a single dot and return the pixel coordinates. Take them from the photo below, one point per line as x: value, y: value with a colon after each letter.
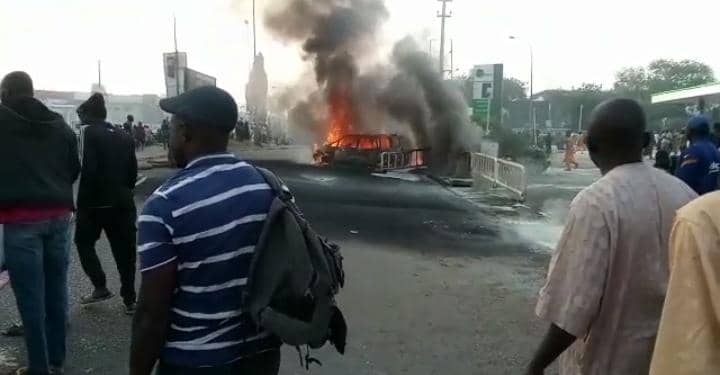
x: 379, y: 152
x: 357, y: 149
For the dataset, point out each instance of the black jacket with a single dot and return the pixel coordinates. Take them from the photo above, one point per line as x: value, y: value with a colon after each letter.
x: 38, y: 156
x: 109, y: 168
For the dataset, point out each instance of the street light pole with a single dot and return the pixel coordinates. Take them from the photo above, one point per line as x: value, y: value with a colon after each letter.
x: 254, y: 33
x: 452, y: 59
x: 534, y: 124
x: 177, y: 58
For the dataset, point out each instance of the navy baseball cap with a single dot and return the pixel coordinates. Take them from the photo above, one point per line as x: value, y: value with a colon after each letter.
x: 699, y: 122
x: 207, y: 105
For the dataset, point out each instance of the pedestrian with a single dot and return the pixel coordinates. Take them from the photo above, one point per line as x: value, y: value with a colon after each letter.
x: 547, y: 139
x: 105, y: 202
x: 147, y: 136
x: 689, y: 334
x: 662, y: 161
x: 608, y: 275
x: 570, y: 149
x: 40, y: 164
x: 128, y: 125
x: 165, y: 133
x: 196, y: 238
x: 700, y: 163
x: 139, y: 134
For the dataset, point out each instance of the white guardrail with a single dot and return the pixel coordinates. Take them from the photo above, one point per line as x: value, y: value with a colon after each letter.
x: 507, y: 174
x: 393, y: 160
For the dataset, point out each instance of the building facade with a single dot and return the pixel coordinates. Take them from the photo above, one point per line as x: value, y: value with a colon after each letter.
x: 144, y: 108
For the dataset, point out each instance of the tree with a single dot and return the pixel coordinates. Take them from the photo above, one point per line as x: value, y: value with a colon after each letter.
x: 664, y: 75
x: 590, y: 88
x: 632, y: 82
x: 513, y: 89
x: 661, y: 75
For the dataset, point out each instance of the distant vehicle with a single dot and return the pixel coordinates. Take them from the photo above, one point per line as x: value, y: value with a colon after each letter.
x: 377, y: 152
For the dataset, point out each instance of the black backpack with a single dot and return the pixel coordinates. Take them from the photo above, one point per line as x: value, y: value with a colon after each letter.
x: 294, y: 277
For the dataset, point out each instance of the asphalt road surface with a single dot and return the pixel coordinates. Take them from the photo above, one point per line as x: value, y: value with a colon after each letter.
x: 433, y: 286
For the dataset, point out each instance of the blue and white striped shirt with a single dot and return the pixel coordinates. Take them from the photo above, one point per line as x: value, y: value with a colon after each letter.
x: 208, y: 218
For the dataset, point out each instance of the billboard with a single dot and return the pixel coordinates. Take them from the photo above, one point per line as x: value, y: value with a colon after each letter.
x: 175, y: 64
x: 195, y: 79
x: 487, y: 94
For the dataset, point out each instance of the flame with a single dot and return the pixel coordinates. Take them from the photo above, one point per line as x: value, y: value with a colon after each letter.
x: 416, y: 158
x: 341, y: 115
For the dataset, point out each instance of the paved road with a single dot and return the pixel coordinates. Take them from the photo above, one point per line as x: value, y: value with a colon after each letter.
x: 433, y: 285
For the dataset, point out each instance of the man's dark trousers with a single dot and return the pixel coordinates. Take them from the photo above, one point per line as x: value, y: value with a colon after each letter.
x: 120, y: 229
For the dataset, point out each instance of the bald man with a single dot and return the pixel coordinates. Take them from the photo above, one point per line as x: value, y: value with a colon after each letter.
x: 607, y: 280
x: 38, y: 163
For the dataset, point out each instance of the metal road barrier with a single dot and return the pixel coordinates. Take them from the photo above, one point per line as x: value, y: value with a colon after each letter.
x: 499, y: 172
x: 393, y: 160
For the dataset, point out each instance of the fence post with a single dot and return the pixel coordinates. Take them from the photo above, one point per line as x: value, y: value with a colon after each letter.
x: 496, y: 170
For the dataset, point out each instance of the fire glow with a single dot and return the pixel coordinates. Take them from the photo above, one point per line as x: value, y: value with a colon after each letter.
x: 341, y: 116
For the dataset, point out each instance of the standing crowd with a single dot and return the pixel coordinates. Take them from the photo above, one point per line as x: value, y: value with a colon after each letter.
x: 632, y: 287
x: 201, y: 308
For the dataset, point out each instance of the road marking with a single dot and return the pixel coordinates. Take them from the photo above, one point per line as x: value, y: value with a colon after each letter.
x: 321, y: 179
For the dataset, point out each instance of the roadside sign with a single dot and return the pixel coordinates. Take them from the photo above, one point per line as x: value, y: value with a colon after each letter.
x: 481, y: 109
x: 487, y: 94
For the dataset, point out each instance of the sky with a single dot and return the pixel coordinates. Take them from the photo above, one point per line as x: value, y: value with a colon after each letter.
x: 574, y: 41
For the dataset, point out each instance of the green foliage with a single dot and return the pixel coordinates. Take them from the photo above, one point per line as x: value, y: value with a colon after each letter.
x: 513, y: 89
x: 589, y: 88
x: 638, y: 83
x: 510, y: 145
x: 661, y: 75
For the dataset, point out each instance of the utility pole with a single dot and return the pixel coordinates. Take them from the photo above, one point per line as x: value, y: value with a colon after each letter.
x: 442, y: 17
x: 452, y: 59
x: 254, y: 33
x: 177, y: 58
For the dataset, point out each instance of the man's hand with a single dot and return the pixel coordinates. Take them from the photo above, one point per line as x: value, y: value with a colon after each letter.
x: 555, y: 342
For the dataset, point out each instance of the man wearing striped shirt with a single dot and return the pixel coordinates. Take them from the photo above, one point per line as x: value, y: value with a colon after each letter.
x: 196, y: 239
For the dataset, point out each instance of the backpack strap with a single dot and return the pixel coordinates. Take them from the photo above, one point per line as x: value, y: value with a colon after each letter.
x: 276, y: 184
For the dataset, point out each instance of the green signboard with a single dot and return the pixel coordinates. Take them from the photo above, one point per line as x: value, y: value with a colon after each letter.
x: 481, y: 109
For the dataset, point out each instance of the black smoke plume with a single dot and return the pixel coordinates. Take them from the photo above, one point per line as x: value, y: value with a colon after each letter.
x: 406, y: 95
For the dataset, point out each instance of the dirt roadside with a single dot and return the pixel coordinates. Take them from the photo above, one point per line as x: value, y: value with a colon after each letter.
x: 417, y: 314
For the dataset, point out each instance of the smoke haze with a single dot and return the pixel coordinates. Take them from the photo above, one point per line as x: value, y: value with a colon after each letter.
x: 405, y: 95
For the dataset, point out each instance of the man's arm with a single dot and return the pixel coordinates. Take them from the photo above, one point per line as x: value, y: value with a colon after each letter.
x: 555, y: 342
x: 152, y: 318
x: 690, y: 169
x: 133, y: 167
x: 571, y: 298
x: 89, y: 156
x: 158, y: 266
x: 74, y: 162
